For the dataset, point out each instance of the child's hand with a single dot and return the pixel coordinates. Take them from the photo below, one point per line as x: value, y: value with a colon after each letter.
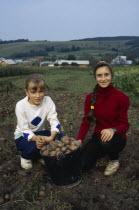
x: 48, y: 139
x: 40, y: 141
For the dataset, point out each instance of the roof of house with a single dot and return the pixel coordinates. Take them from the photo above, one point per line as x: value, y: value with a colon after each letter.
x: 2, y: 59
x: 120, y: 57
x: 9, y: 61
x: 25, y: 63
x: 72, y: 61
x: 46, y: 62
x: 18, y: 61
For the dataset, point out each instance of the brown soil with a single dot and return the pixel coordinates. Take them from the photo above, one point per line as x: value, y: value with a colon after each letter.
x: 21, y: 189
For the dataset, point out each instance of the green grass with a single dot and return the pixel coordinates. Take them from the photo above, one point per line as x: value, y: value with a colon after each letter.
x: 70, y: 81
x: 68, y: 88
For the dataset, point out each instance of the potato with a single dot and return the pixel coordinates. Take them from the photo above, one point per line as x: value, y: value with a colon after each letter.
x: 53, y: 153
x: 42, y: 193
x: 7, y: 197
x: 67, y: 151
x: 63, y: 149
x: 65, y: 138
x: 57, y: 149
x: 45, y: 153
x: 66, y: 142
x: 72, y: 143
x: 67, y: 146
x: 73, y: 147
x: 1, y: 200
x: 60, y: 144
x: 52, y: 146
x: 58, y: 154
x: 51, y: 143
x: 43, y: 148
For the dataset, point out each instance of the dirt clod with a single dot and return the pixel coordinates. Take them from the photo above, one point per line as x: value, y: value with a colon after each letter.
x: 42, y: 194
x: 7, y: 197
x: 1, y: 200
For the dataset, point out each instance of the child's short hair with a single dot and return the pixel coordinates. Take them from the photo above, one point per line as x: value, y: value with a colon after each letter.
x: 37, y: 80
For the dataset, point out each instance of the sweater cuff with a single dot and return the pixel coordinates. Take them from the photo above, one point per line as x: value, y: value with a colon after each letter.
x: 56, y: 128
x: 28, y: 136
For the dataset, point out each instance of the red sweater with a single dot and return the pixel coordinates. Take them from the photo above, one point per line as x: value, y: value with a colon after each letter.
x: 110, y: 112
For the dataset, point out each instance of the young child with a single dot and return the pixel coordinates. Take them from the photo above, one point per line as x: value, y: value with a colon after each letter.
x: 31, y: 113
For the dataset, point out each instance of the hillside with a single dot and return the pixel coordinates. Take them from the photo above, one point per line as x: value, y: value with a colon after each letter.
x: 115, y: 38
x: 100, y: 47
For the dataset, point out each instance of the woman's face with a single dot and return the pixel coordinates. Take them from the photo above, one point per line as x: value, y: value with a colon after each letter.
x: 103, y: 76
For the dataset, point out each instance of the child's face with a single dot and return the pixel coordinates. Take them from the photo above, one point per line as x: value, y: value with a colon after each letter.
x: 35, y: 95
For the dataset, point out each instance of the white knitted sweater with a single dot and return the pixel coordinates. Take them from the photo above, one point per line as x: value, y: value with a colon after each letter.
x: 31, y: 118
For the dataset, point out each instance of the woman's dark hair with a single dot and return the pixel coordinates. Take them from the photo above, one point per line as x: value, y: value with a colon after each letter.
x: 101, y: 64
x: 91, y: 117
x: 36, y: 79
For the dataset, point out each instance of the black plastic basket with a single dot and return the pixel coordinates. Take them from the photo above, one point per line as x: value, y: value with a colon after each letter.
x: 65, y: 170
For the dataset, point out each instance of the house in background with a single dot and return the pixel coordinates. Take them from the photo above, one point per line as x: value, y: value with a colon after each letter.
x: 18, y: 61
x: 47, y: 63
x: 121, y: 60
x: 25, y: 63
x: 2, y: 59
x: 70, y: 62
x: 6, y: 62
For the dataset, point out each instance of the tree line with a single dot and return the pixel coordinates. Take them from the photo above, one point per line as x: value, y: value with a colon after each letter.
x: 13, y: 41
x: 45, y: 51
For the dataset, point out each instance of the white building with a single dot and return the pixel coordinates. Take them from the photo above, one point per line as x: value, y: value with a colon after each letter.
x: 47, y: 63
x: 25, y: 63
x: 121, y: 60
x: 6, y: 62
x: 18, y: 61
x: 2, y: 59
x: 80, y: 63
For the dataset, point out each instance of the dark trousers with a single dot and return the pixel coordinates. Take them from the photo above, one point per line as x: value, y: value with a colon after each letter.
x: 95, y: 149
x: 29, y: 149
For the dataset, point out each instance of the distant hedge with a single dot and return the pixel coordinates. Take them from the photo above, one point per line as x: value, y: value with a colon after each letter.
x: 16, y: 70
x: 8, y: 71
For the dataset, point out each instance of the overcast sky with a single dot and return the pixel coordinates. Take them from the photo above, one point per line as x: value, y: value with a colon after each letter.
x: 63, y: 20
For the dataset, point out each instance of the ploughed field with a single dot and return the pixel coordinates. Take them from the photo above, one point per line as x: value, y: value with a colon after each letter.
x: 33, y: 189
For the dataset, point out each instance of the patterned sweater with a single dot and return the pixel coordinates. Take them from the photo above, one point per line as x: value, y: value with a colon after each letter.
x: 31, y: 118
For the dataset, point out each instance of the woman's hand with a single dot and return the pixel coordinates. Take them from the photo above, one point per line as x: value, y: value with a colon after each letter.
x: 107, y: 134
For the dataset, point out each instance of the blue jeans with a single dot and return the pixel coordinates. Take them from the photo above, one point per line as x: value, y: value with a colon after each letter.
x: 29, y: 149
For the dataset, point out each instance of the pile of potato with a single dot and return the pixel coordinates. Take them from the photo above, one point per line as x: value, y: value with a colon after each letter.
x: 60, y: 148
